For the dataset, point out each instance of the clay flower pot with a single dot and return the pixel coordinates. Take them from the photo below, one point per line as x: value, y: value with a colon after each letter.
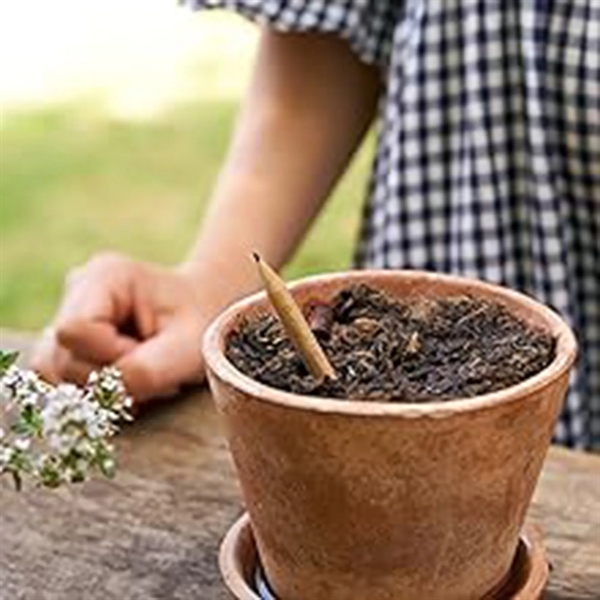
x: 377, y: 501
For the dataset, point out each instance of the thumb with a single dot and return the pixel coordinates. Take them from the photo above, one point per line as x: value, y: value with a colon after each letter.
x: 161, y: 365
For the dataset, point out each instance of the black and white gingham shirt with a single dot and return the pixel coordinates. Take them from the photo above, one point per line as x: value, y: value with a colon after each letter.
x: 488, y: 155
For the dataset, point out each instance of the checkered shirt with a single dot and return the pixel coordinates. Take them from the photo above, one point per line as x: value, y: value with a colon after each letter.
x: 488, y: 153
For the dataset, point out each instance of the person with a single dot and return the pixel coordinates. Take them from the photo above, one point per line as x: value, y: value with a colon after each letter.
x: 487, y: 165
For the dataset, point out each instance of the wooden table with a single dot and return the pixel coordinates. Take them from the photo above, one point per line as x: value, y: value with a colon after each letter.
x: 154, y: 531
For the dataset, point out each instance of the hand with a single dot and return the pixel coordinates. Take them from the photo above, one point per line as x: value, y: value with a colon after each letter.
x: 143, y: 318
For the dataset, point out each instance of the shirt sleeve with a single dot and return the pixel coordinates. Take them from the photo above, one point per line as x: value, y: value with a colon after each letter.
x: 367, y: 25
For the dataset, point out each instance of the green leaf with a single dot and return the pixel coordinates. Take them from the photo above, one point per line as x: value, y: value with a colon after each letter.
x: 30, y: 422
x: 21, y: 428
x: 49, y: 475
x: 7, y: 359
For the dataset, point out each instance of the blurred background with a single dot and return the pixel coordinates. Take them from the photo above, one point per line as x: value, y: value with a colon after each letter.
x: 115, y: 116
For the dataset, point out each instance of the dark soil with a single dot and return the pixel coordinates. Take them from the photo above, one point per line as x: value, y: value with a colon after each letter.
x: 386, y: 350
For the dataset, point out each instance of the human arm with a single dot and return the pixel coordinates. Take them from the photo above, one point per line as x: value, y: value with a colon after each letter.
x: 308, y: 106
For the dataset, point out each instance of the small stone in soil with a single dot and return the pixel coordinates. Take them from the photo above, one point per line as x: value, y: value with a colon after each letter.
x: 387, y: 350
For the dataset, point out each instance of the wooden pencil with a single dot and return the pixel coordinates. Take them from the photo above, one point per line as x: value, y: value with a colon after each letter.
x: 294, y: 322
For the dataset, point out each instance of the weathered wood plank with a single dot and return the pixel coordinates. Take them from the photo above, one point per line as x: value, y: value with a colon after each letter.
x: 153, y: 532
x: 567, y: 505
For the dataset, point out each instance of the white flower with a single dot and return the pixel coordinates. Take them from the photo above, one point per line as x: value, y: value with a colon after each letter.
x: 6, y: 454
x: 97, y: 428
x: 24, y: 387
x: 108, y: 464
x: 71, y: 426
x: 22, y: 444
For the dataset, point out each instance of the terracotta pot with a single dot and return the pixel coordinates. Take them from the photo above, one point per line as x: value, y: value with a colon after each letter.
x: 377, y: 501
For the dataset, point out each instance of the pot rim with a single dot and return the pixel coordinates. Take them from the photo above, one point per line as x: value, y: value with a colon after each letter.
x: 223, y: 369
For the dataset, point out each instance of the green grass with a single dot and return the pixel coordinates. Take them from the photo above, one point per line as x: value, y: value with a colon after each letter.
x: 73, y: 182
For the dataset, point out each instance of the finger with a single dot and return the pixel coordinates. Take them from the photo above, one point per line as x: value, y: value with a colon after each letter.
x: 45, y: 355
x: 73, y: 370
x: 98, y: 291
x: 96, y: 342
x: 110, y: 289
x: 158, y: 367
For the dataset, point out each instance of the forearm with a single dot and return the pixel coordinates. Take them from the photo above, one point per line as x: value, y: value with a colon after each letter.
x: 308, y: 107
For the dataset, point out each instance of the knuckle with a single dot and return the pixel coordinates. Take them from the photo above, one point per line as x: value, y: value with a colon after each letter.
x: 107, y: 261
x: 64, y: 328
x: 99, y: 264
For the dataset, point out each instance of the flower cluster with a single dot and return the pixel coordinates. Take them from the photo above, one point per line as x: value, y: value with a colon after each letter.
x: 58, y: 434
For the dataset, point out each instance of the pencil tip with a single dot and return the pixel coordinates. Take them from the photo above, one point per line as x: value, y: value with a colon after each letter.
x: 256, y: 256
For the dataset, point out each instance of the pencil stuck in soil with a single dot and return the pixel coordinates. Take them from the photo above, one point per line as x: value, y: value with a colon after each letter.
x: 294, y: 323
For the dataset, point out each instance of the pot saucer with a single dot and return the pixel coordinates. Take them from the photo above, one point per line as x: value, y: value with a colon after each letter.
x: 238, y: 561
